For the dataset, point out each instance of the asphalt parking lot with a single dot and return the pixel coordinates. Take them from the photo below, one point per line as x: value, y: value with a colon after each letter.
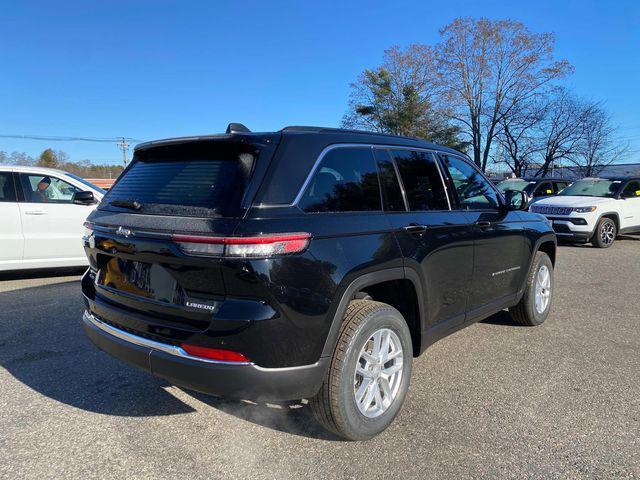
x: 557, y: 401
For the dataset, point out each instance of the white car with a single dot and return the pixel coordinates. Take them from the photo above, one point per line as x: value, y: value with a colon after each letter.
x: 43, y: 212
x: 594, y: 210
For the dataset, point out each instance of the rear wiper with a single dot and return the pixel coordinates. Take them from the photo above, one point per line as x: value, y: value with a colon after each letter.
x: 130, y: 204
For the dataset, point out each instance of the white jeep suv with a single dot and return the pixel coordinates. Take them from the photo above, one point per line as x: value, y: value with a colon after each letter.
x: 42, y: 212
x: 594, y: 210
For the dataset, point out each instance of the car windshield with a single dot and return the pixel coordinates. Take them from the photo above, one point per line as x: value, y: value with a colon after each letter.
x: 86, y: 182
x: 512, y: 184
x: 592, y: 187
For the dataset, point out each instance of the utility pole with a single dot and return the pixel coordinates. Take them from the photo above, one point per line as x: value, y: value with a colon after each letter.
x: 124, y: 145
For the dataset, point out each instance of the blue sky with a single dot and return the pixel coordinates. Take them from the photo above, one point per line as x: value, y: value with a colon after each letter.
x: 152, y: 69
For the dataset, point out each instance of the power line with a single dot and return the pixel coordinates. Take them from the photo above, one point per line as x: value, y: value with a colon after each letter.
x: 54, y: 138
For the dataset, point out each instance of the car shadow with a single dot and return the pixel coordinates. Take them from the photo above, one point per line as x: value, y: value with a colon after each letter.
x: 634, y: 238
x: 43, y: 346
x: 619, y: 238
x: 41, y: 273
x: 503, y: 317
x: 568, y: 244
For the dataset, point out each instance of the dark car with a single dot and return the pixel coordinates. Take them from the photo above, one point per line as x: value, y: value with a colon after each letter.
x: 307, y: 263
x: 535, y: 188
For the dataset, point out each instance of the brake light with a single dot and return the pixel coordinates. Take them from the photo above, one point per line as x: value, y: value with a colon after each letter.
x: 219, y: 354
x: 257, y: 246
x: 87, y: 231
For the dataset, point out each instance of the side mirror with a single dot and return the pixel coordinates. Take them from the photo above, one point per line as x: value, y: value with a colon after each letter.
x: 83, y: 198
x: 516, y: 200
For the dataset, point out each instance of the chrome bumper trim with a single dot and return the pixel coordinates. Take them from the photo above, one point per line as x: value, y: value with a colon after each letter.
x: 145, y: 342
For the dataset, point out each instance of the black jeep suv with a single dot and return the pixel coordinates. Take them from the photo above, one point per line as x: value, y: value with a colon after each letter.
x: 307, y: 263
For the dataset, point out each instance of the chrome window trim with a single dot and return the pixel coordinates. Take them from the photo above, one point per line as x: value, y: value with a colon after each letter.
x: 334, y: 146
x: 145, y: 342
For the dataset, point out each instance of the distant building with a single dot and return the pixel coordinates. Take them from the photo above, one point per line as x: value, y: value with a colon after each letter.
x: 617, y: 170
x: 574, y: 173
x: 102, y: 182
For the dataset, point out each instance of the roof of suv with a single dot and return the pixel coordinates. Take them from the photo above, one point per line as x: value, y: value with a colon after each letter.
x: 537, y: 179
x: 294, y: 151
x: 32, y: 169
x: 619, y: 179
x: 356, y: 136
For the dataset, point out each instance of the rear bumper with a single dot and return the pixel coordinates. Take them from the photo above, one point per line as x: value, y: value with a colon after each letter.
x: 232, y: 380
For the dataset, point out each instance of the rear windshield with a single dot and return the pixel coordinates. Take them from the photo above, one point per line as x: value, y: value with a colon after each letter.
x: 197, y: 179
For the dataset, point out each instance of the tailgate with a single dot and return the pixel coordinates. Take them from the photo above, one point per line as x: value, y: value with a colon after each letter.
x: 145, y: 275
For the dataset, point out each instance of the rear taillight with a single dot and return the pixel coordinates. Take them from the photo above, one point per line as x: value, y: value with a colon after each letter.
x: 218, y: 354
x: 87, y: 232
x: 257, y: 246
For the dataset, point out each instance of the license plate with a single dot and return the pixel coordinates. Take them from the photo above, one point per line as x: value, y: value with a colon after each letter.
x: 138, y: 278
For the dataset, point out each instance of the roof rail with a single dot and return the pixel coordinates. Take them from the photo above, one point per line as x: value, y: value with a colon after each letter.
x: 302, y: 128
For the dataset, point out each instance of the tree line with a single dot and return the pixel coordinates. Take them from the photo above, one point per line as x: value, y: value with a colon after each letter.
x: 59, y: 159
x: 493, y: 89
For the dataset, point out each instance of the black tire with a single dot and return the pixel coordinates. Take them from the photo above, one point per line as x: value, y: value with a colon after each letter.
x: 605, y: 233
x: 525, y: 312
x: 334, y: 407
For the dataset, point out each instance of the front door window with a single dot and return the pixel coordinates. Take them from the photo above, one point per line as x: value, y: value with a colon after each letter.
x: 474, y: 191
x: 47, y: 189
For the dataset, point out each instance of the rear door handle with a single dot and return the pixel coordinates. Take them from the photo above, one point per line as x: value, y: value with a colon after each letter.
x: 482, y: 224
x: 415, y: 228
x: 35, y: 212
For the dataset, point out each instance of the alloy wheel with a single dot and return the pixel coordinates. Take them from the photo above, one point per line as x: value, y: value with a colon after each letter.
x: 378, y: 373
x: 608, y: 233
x: 543, y: 289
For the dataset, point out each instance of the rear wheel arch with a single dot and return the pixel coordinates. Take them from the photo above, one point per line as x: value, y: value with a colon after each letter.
x: 398, y: 287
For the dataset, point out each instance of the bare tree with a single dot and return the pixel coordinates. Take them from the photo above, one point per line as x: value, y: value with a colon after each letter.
x: 20, y: 158
x: 599, y: 145
x: 519, y: 140
x: 401, y: 97
x: 489, y: 69
x: 563, y: 129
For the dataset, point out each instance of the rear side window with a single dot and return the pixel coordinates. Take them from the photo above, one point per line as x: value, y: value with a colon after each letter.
x: 391, y: 191
x: 544, y: 189
x: 345, y: 181
x: 421, y: 180
x: 200, y: 178
x: 632, y: 189
x: 7, y: 189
